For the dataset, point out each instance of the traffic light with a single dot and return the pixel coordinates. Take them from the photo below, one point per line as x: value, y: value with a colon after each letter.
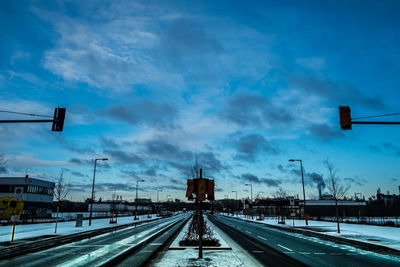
x: 58, y: 119
x: 345, y: 117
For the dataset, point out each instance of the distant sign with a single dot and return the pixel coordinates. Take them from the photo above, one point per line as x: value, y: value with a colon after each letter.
x: 79, y: 220
x: 14, y: 218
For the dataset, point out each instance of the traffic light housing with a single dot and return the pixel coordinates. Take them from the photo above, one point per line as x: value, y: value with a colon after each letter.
x: 58, y: 120
x: 345, y: 117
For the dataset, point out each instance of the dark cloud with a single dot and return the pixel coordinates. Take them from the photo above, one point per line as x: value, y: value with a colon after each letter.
x: 185, y: 39
x: 324, y: 132
x: 108, y: 143
x: 164, y: 150
x: 357, y: 181
x: 104, y: 187
x: 74, y: 147
x: 80, y: 161
x: 385, y: 147
x: 333, y: 92
x: 253, y: 110
x: 130, y: 173
x: 143, y: 111
x: 78, y: 174
x: 249, y: 146
x: 250, y: 178
x: 150, y: 172
x: 123, y: 157
x: 254, y: 179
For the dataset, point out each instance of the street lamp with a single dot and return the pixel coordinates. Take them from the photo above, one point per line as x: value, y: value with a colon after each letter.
x: 251, y: 190
x: 236, y: 197
x: 302, y: 181
x: 137, y: 199
x: 91, y: 201
x: 157, y: 194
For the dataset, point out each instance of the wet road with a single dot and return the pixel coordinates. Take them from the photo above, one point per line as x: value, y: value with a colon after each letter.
x: 97, y: 250
x: 310, y: 251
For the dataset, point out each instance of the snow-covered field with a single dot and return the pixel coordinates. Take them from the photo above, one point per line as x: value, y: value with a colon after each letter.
x: 63, y: 228
x: 380, y: 235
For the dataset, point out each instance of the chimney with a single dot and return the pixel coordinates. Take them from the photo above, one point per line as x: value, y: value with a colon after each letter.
x: 319, y: 192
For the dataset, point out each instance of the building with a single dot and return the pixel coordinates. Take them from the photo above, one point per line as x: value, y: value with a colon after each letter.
x: 28, y: 197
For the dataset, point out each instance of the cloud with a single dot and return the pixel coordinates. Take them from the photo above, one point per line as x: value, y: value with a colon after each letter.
x: 254, y: 179
x: 357, y: 181
x: 253, y: 110
x: 123, y: 157
x: 249, y: 146
x: 108, y: 142
x: 143, y: 111
x: 185, y: 39
x: 385, y: 147
x: 324, y: 132
x: 334, y: 92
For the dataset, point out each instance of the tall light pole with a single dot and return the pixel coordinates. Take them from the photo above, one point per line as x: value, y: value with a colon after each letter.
x: 236, y: 194
x: 251, y: 190
x: 236, y: 197
x: 157, y: 194
x: 137, y: 199
x: 302, y: 181
x: 92, y: 199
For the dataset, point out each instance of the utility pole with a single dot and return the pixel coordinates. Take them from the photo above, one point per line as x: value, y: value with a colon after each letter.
x: 92, y: 199
x: 304, y: 192
x: 251, y: 190
x: 137, y: 199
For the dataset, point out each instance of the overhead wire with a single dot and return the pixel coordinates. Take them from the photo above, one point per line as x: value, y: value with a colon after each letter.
x: 27, y: 114
x: 384, y: 115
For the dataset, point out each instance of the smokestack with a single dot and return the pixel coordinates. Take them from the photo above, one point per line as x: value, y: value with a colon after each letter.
x: 319, y: 192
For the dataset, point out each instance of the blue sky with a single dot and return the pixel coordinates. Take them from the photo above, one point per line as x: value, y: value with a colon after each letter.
x: 244, y: 85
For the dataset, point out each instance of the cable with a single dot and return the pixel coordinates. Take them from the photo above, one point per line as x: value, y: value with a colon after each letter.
x: 375, y: 116
x: 28, y: 114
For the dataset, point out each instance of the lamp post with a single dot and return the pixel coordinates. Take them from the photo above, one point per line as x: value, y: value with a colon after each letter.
x: 304, y: 192
x: 157, y: 194
x: 236, y: 197
x: 251, y: 190
x: 137, y: 199
x: 92, y: 199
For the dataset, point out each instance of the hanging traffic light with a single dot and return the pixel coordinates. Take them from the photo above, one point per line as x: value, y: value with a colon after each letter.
x: 345, y: 117
x: 58, y: 120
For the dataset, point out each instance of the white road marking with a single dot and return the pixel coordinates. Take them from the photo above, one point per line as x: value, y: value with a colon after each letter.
x: 155, y: 244
x: 258, y: 251
x: 284, y: 247
x: 305, y: 253
x: 262, y: 238
x: 248, y: 232
x: 319, y: 253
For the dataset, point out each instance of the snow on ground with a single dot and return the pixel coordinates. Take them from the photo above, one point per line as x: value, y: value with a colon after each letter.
x: 221, y: 256
x: 63, y: 228
x: 380, y: 235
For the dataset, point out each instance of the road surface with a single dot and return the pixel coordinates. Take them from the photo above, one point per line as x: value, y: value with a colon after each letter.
x: 265, y: 243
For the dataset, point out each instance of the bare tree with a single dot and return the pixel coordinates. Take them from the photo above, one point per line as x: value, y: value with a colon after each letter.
x: 3, y: 164
x: 281, y: 193
x: 61, y: 191
x: 335, y: 188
